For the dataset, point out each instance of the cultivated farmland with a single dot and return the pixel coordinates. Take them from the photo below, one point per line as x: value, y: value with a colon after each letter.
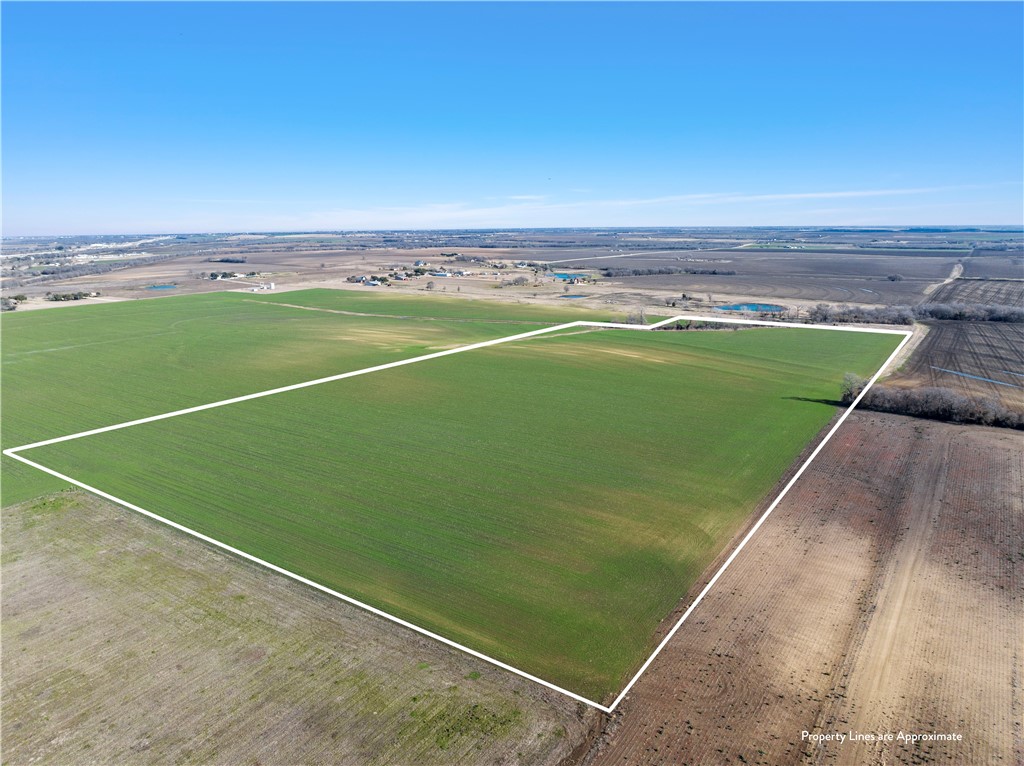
x: 999, y: 292
x: 445, y: 492
x: 802, y: 276
x: 900, y: 542
x: 67, y: 371
x: 995, y: 266
x: 978, y: 359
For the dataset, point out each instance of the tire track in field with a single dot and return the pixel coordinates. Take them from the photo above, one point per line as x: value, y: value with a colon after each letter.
x: 993, y: 350
x: 1003, y: 292
x: 892, y: 622
x: 54, y: 349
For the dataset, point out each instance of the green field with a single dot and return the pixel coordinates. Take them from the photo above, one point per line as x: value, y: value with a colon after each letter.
x: 79, y: 367
x: 546, y: 502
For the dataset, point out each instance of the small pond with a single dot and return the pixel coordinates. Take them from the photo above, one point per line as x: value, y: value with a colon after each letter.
x: 566, y: 276
x: 769, y: 308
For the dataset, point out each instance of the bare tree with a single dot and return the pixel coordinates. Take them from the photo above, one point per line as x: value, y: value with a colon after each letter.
x: 639, y: 316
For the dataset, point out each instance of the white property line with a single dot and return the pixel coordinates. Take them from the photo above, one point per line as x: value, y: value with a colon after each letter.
x: 13, y: 453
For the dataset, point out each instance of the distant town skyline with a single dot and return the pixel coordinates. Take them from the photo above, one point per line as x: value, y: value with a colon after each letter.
x: 196, y: 117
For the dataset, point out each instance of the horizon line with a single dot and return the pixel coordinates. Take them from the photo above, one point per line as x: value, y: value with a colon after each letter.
x: 691, y: 227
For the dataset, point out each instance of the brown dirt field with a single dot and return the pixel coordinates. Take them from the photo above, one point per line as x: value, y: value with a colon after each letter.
x: 1001, y: 266
x: 991, y: 292
x: 796, y: 290
x: 883, y: 595
x: 991, y: 350
x: 127, y: 642
x: 803, y: 277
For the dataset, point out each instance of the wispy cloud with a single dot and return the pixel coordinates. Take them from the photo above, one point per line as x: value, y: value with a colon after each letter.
x: 526, y: 210
x: 724, y: 198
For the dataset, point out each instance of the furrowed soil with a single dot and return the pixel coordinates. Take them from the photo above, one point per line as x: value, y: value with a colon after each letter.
x: 1000, y: 266
x: 977, y: 359
x: 882, y: 596
x: 127, y: 642
x: 999, y: 292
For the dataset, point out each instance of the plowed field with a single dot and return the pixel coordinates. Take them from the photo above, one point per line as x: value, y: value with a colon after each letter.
x: 1001, y: 265
x: 993, y: 292
x: 980, y: 359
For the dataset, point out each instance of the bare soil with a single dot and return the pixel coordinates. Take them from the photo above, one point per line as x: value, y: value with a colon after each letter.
x: 798, y: 290
x: 1008, y: 265
x: 991, y: 350
x: 127, y: 642
x: 999, y: 292
x: 800, y: 277
x: 883, y: 595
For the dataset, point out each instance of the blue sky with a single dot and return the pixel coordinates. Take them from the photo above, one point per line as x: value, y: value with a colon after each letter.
x: 179, y: 117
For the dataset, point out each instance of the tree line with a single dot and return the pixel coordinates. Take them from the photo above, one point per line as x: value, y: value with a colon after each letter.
x: 931, y: 403
x: 825, y: 313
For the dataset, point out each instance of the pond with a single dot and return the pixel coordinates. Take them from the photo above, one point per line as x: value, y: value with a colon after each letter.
x: 763, y: 308
x: 566, y: 276
x: 161, y: 287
